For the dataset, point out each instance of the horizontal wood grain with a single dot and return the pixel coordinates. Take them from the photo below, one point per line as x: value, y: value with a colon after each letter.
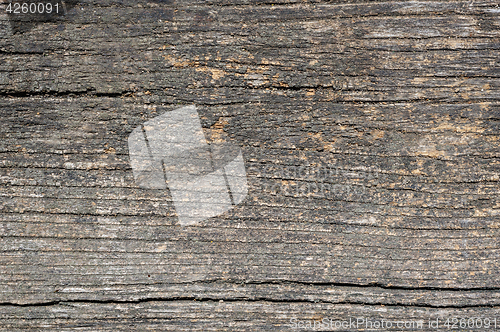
x: 370, y: 136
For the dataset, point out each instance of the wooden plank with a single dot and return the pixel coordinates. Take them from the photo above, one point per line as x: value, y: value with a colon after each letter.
x: 369, y: 132
x: 233, y: 316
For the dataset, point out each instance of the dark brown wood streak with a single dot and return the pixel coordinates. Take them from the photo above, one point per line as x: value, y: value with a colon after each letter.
x: 370, y: 135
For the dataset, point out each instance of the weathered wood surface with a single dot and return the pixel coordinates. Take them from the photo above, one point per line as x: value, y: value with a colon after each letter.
x: 398, y: 102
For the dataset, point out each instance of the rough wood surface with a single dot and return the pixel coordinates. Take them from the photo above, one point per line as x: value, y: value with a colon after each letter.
x: 370, y: 134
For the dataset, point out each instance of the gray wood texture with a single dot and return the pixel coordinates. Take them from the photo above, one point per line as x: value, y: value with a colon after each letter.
x: 370, y: 134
